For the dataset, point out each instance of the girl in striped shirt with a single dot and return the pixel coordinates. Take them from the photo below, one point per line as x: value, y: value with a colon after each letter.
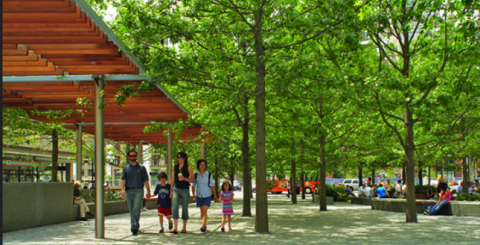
x: 227, y: 208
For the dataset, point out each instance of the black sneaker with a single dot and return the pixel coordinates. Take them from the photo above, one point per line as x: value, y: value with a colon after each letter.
x: 170, y: 225
x: 83, y: 219
x: 203, y: 229
x: 134, y: 232
x: 223, y: 229
x: 161, y: 230
x: 91, y: 214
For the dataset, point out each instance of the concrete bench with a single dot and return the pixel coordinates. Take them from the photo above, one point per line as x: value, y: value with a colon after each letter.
x: 316, y: 199
x: 362, y: 200
x: 400, y: 205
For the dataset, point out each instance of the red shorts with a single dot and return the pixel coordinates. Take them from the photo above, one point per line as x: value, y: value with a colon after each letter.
x: 164, y: 211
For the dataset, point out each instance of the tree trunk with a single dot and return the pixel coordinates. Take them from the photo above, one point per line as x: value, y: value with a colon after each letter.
x: 322, y: 192
x: 302, y: 179
x: 217, y: 182
x: 293, y: 185
x: 54, y: 155
x: 261, y: 215
x: 373, y: 176
x: 420, y: 174
x: 411, y: 214
x: 465, y: 176
x: 429, y: 176
x: 360, y: 175
x: 403, y: 173
x: 247, y: 210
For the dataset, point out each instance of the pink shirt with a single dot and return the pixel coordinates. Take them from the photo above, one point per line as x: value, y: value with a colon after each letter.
x: 447, y: 197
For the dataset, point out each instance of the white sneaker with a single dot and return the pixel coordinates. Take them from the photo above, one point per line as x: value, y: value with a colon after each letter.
x: 144, y: 209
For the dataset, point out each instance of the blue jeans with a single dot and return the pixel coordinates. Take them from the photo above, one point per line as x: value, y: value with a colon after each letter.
x: 433, y: 210
x: 135, y: 201
x: 185, y: 196
x: 350, y: 193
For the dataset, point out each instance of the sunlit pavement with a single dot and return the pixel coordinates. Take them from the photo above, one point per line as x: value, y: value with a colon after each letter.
x: 302, y: 223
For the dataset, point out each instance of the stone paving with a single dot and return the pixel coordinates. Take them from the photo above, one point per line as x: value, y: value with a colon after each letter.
x: 343, y: 223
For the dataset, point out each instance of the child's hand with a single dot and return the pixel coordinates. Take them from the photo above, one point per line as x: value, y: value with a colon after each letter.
x: 171, y: 195
x: 230, y: 202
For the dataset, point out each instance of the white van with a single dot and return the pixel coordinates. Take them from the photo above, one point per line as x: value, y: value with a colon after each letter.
x: 351, y: 182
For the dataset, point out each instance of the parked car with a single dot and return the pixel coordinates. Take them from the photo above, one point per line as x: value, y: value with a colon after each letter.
x: 237, y: 187
x: 351, y: 182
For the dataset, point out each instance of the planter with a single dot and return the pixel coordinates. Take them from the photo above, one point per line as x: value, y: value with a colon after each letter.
x: 421, y: 196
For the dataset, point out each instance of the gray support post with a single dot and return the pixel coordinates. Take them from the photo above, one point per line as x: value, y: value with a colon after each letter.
x: 99, y: 155
x: 169, y: 154
x: 79, y: 151
x: 202, y: 151
x: 140, y: 152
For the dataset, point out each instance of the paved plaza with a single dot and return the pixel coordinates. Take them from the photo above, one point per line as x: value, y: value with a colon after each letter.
x: 343, y: 223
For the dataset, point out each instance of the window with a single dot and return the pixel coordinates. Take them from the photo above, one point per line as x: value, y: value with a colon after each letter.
x: 355, y: 181
x: 156, y: 160
x: 90, y: 172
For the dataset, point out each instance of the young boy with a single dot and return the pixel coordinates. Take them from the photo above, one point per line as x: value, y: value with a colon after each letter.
x: 164, y: 202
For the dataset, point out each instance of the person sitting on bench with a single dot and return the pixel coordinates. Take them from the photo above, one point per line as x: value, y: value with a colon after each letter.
x: 77, y: 199
x: 348, y: 191
x: 445, y: 196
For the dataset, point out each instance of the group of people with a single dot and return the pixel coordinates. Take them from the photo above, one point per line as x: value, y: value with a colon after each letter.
x: 473, y: 188
x: 135, y: 178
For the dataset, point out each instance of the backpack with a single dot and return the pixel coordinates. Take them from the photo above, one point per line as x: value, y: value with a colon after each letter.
x: 209, y: 185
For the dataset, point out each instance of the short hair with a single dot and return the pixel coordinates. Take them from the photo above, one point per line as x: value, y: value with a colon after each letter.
x: 76, y: 183
x: 199, y: 162
x: 162, y: 175
x: 363, y: 184
x: 476, y: 180
x: 380, y: 184
x: 128, y: 154
x: 399, y: 181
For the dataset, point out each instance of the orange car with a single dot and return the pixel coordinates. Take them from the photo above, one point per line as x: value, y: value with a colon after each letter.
x: 279, y: 186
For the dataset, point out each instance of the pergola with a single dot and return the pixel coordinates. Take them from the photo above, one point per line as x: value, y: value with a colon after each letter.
x: 57, y: 51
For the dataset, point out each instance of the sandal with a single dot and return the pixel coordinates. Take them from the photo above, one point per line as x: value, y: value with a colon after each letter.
x: 174, y: 232
x: 184, y: 231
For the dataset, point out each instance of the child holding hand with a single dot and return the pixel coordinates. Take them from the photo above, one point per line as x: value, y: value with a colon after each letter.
x: 227, y: 207
x: 164, y: 202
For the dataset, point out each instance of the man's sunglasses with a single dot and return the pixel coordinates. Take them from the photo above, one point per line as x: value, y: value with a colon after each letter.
x: 132, y: 156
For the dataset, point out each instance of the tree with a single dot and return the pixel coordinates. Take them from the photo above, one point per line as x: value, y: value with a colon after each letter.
x: 416, y: 40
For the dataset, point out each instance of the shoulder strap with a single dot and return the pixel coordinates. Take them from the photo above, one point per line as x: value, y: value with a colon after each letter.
x: 209, y: 177
x: 196, y: 177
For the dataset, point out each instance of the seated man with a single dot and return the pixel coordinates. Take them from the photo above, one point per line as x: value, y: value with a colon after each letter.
x: 369, y: 191
x: 361, y: 191
x: 382, y: 192
x: 476, y: 190
x: 348, y: 191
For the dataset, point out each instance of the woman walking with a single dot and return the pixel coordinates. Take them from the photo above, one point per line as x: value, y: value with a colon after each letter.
x: 204, y: 186
x: 182, y: 176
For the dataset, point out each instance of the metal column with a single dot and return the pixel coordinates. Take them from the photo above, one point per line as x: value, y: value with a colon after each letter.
x: 99, y: 155
x: 140, y: 152
x: 203, y: 151
x: 169, y: 154
x: 79, y: 151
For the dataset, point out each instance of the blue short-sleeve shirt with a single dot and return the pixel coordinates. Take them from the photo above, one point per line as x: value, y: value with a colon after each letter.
x: 134, y: 176
x: 201, y: 185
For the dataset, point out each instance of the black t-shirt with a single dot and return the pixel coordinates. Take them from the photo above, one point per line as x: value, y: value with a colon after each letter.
x: 163, y: 192
x: 76, y: 192
x: 182, y: 184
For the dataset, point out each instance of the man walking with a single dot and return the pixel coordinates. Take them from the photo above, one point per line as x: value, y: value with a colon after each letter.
x: 134, y: 177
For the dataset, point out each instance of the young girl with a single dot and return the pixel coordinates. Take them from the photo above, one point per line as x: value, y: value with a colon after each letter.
x: 227, y: 208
